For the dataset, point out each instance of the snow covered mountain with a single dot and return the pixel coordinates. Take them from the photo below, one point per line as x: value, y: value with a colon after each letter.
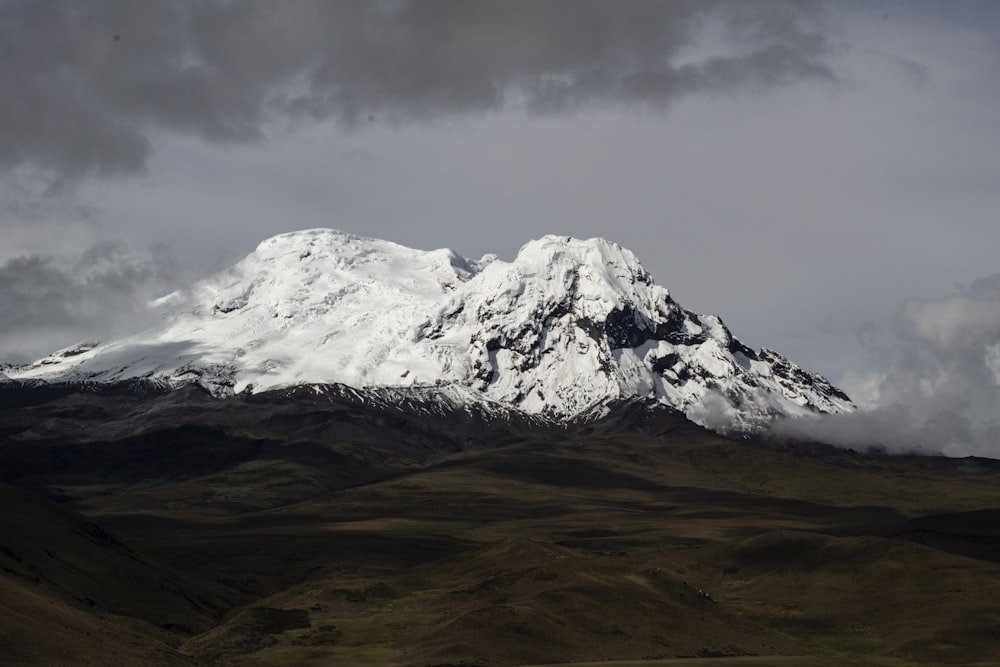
x: 566, y: 328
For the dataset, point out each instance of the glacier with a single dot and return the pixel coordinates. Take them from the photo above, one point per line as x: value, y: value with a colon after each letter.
x: 565, y: 329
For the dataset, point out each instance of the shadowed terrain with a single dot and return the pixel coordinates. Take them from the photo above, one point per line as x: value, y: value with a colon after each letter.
x: 151, y: 527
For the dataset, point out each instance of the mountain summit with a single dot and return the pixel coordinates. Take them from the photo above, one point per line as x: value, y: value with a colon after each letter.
x: 567, y: 328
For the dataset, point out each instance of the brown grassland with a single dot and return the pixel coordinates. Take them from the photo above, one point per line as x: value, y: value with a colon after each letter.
x: 339, y: 536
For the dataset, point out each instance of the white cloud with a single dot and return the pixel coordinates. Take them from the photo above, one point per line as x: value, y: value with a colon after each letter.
x: 941, y: 391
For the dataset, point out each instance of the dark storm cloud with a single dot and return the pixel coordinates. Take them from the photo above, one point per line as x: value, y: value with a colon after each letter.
x: 941, y: 392
x: 88, y: 83
x: 47, y: 301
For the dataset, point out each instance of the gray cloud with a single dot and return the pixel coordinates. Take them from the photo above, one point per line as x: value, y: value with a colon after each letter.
x: 941, y: 391
x: 48, y: 302
x: 87, y: 84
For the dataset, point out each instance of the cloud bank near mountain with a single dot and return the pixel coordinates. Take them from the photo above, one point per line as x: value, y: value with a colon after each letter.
x: 940, y: 391
x: 49, y: 301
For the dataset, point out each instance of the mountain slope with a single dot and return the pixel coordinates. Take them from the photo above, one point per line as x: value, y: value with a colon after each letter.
x: 70, y: 591
x: 565, y: 328
x: 326, y: 528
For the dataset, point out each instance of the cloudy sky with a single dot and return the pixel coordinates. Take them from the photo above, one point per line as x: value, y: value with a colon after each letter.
x: 823, y: 175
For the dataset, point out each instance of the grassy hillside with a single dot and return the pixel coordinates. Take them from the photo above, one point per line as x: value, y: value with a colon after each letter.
x: 363, y: 539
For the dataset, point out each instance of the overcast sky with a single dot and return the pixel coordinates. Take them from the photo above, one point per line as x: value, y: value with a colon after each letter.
x: 806, y: 170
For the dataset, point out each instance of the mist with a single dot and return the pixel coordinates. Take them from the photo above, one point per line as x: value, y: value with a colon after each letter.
x: 100, y: 293
x: 940, y: 390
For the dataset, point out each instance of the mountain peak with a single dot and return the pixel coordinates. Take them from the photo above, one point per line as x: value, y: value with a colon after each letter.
x: 566, y: 327
x: 600, y: 259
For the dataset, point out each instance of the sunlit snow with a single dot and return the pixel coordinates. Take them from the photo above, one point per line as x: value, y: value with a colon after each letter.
x: 566, y: 327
